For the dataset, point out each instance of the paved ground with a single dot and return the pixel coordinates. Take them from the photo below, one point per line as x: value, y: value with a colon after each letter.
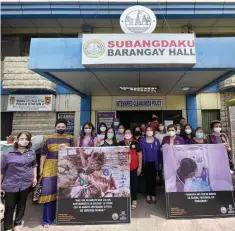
x: 145, y: 218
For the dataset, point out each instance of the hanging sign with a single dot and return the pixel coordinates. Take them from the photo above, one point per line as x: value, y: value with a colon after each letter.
x: 151, y: 50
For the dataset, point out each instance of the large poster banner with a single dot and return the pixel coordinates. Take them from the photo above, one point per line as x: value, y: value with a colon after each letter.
x: 198, y: 181
x: 93, y: 186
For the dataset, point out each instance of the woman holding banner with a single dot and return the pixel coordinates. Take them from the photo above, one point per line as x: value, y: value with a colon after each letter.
x: 217, y: 137
x: 135, y: 165
x: 172, y: 138
x: 87, y: 138
x: 109, y: 139
x: 48, y: 169
x: 199, y: 137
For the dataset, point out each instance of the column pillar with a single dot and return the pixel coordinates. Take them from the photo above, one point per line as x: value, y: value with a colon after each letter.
x: 85, y: 115
x: 191, y: 107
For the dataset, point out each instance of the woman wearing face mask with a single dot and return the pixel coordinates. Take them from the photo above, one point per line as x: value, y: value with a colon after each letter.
x: 172, y: 138
x: 48, y: 169
x: 120, y: 134
x: 217, y: 137
x: 110, y: 139
x: 18, y: 175
x: 198, y: 137
x: 150, y: 146
x: 101, y: 133
x: 87, y: 138
x: 116, y: 123
x: 178, y: 129
x: 187, y: 133
x: 135, y: 165
x: 161, y: 133
x: 137, y: 133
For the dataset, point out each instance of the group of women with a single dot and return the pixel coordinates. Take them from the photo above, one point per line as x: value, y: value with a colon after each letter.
x: 18, y: 167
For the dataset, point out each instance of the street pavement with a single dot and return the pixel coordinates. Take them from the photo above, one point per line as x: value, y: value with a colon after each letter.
x: 145, y: 218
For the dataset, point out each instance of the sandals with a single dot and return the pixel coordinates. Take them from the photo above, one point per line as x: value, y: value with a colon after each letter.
x: 134, y: 205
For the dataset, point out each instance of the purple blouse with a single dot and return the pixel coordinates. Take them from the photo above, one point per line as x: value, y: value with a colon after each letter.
x: 17, y: 169
x: 91, y: 142
x: 151, y: 151
x: 178, y: 140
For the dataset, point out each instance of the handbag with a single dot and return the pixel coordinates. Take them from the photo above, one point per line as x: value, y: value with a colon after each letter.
x: 37, y: 191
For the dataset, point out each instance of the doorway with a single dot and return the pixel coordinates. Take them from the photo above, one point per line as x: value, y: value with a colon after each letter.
x: 130, y: 119
x: 6, y: 124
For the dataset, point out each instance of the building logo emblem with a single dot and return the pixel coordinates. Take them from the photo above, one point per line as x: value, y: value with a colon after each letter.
x: 12, y: 100
x: 138, y: 20
x: 94, y: 48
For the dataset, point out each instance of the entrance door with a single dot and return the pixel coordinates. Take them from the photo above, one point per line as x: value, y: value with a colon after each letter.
x: 130, y: 119
x: 6, y: 124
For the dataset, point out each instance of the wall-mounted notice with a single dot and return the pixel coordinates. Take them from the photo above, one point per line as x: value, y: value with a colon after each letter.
x: 30, y: 103
x: 106, y: 117
x: 139, y: 103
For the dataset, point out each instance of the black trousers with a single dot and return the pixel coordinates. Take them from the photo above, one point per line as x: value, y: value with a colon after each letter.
x: 134, y: 184
x: 15, y: 200
x: 150, y: 177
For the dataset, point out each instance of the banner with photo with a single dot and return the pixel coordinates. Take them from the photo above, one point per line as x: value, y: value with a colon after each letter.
x: 198, y: 181
x: 93, y: 186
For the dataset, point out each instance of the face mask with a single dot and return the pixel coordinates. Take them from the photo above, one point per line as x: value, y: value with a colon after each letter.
x: 88, y: 131
x: 23, y: 143
x: 178, y: 132
x: 154, y: 118
x: 60, y: 131
x: 199, y: 135
x: 116, y: 124
x: 137, y: 133
x: 121, y: 130
x: 128, y: 136
x: 161, y: 128
x: 188, y: 131
x: 110, y: 135
x: 149, y: 133
x: 102, y: 129
x: 217, y: 130
x: 171, y: 133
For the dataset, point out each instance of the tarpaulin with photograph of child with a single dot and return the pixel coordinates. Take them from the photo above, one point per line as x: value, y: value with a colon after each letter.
x: 93, y: 184
x: 197, y: 181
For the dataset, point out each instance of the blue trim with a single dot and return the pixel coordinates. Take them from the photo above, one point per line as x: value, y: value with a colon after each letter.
x: 113, y: 10
x: 85, y: 113
x: 215, y: 88
x: 191, y: 107
x: 217, y: 81
x: 60, y: 90
x: 55, y: 80
x: 3, y: 91
x: 65, y: 54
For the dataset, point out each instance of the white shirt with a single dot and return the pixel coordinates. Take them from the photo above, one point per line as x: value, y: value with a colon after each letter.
x: 160, y: 137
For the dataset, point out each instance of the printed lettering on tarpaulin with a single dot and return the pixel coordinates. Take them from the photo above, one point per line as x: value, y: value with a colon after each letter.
x: 93, y: 186
x: 30, y: 103
x: 198, y: 181
x: 144, y: 49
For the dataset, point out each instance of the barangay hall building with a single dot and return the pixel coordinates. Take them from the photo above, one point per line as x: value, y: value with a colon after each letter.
x: 87, y: 60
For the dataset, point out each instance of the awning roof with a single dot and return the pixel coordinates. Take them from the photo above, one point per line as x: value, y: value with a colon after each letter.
x: 59, y: 60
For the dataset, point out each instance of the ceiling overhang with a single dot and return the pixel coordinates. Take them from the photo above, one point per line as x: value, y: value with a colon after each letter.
x: 59, y: 60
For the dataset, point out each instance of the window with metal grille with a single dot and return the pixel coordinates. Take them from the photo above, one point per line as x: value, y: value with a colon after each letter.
x: 207, y: 117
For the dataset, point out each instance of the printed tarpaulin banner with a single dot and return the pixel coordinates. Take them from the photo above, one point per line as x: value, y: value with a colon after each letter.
x: 198, y: 181
x: 93, y: 186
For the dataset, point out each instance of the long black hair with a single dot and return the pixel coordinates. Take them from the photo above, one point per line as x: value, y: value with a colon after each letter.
x: 83, y: 128
x: 114, y: 136
x: 104, y: 125
x: 187, y: 166
x: 184, y: 134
